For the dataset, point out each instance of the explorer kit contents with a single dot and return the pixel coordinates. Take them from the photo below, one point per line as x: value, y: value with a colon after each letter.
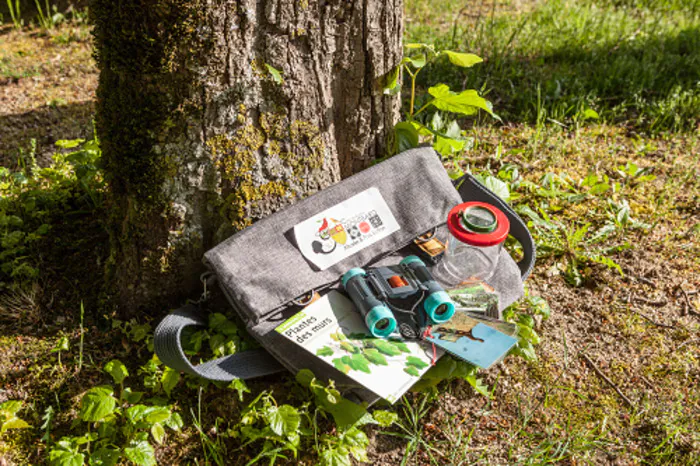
x: 454, y: 301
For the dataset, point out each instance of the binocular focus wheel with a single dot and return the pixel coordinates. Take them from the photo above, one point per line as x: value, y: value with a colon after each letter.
x: 380, y: 321
x: 439, y: 307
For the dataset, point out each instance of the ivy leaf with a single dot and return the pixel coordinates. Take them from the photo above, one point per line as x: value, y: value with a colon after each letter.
x: 157, y: 414
x: 540, y: 306
x: 141, y: 453
x: 356, y: 441
x: 375, y: 357
x: 284, y: 421
x: 158, y: 432
x: 385, y: 418
x: 348, y: 361
x: 344, y: 412
x: 360, y: 363
x: 104, y: 457
x: 401, y: 346
x: 334, y: 457
x: 416, y: 362
x: 405, y: 136
x: 13, y: 423
x: 338, y: 336
x: 97, y: 403
x: 411, y: 371
x: 64, y: 457
x: 447, y: 146
x: 525, y: 332
x: 136, y: 413
x: 466, y: 102
x: 63, y: 344
x: 196, y: 340
x: 325, y: 351
x: 10, y: 407
x: 385, y: 347
x: 341, y: 365
x: 275, y: 73
x: 221, y: 323
x: 240, y: 387
x: 217, y: 344
x: 446, y: 368
x: 169, y: 380
x: 349, y: 347
x: 478, y: 385
x: 465, y: 60
x: 174, y: 421
x: 117, y: 370
x: 418, y: 61
x: 526, y: 350
x: 107, y: 430
x: 131, y: 397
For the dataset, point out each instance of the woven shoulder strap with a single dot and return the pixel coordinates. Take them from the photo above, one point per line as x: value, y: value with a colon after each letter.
x: 244, y: 365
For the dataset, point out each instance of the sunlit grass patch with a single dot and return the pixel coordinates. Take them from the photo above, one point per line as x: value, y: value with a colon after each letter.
x: 631, y: 62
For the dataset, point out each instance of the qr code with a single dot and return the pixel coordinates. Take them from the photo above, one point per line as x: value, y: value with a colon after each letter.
x: 375, y: 220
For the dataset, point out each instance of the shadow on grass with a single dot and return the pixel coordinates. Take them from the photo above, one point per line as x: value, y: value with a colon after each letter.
x: 46, y: 125
x: 651, y: 81
x: 53, y: 238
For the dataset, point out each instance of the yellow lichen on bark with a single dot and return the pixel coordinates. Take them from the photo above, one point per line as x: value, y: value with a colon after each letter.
x: 298, y: 145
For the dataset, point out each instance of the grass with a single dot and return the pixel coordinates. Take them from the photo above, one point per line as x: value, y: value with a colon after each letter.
x: 635, y: 63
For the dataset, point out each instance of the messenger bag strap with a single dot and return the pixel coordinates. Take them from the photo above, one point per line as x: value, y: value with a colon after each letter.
x: 244, y: 365
x: 471, y: 190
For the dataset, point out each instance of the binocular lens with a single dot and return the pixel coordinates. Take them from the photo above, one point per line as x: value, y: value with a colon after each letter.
x: 441, y: 310
x: 382, y: 324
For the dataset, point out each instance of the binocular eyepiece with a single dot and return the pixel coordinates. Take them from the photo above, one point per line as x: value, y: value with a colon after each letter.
x: 374, y: 290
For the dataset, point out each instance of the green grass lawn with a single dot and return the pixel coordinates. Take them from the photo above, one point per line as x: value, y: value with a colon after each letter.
x: 635, y: 63
x: 598, y: 149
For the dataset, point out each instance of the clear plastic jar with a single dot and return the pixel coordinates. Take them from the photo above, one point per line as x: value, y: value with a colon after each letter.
x: 477, y: 231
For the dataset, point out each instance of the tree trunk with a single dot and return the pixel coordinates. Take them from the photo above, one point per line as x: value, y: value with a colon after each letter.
x: 200, y: 137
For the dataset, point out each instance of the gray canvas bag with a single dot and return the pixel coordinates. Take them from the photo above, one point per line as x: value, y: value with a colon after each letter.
x: 262, y: 271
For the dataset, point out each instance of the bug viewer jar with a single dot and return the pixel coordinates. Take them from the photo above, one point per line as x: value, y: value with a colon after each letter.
x: 477, y: 231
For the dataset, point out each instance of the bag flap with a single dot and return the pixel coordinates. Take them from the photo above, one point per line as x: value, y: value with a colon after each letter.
x: 261, y: 268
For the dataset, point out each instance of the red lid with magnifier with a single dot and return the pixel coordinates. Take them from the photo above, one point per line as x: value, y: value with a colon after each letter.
x: 478, y: 224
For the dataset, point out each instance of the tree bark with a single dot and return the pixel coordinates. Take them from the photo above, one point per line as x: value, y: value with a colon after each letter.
x: 200, y: 138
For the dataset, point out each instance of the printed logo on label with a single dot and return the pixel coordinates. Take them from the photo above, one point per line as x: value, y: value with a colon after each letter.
x: 345, y: 228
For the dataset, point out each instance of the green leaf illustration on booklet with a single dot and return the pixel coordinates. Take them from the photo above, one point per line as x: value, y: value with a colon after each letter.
x: 333, y: 330
x: 361, y: 351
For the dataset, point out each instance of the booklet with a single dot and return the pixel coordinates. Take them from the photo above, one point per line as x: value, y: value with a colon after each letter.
x: 333, y: 329
x: 471, y: 340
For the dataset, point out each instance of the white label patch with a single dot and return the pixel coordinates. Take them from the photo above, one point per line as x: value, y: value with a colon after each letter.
x: 346, y: 228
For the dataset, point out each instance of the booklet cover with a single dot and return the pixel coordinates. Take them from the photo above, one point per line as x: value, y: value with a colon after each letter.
x: 471, y: 340
x: 333, y: 330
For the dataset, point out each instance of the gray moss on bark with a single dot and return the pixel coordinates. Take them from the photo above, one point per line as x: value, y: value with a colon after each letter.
x: 199, y: 140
